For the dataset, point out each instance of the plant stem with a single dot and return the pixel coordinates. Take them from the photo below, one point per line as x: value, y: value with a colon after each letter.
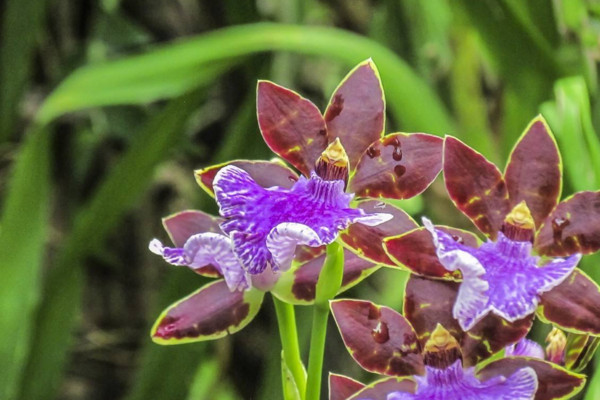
x: 286, y: 318
x: 330, y: 280
x: 317, y: 349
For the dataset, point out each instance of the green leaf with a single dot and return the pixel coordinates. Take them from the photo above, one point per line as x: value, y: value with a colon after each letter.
x: 121, y: 189
x: 569, y: 115
x: 171, y: 69
x: 24, y: 227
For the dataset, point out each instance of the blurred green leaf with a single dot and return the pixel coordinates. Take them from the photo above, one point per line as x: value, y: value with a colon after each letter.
x: 24, y: 229
x: 171, y: 69
x: 570, y: 118
x: 525, y: 61
x: 121, y: 189
x: 22, y: 21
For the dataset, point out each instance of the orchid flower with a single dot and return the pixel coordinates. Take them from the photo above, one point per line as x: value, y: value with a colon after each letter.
x: 534, y: 242
x: 434, y: 365
x: 274, y: 224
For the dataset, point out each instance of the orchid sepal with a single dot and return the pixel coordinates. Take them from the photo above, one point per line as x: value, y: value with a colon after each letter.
x: 210, y: 313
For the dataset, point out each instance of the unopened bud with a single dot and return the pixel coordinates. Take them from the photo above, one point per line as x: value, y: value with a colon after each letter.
x: 519, y: 224
x: 442, y: 349
x: 555, y: 350
x: 333, y: 163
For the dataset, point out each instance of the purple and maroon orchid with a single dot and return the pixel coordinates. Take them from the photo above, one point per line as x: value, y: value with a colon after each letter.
x: 275, y: 224
x: 434, y: 366
x: 534, y: 242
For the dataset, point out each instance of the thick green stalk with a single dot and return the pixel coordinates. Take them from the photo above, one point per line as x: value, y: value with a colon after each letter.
x: 286, y: 318
x: 328, y: 285
x: 317, y: 350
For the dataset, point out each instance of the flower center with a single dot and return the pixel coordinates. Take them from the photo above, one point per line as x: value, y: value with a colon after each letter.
x: 519, y: 224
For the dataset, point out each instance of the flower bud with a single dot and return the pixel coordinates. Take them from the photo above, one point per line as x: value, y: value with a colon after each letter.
x: 555, y: 350
x: 519, y: 224
x: 333, y: 163
x: 441, y: 349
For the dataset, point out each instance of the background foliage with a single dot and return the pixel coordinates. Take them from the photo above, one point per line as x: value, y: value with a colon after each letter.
x: 106, y: 107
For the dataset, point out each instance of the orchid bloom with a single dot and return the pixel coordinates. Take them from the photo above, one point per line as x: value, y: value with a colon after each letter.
x: 274, y: 224
x: 534, y: 242
x: 434, y: 365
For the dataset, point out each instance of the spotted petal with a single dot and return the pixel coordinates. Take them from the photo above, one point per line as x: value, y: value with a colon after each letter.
x: 475, y: 185
x: 415, y: 250
x: 378, y: 338
x: 573, y: 227
x: 428, y: 302
x: 398, y: 166
x: 206, y: 249
x: 574, y: 305
x: 181, y: 226
x: 342, y: 387
x: 534, y: 171
x: 318, y: 209
x: 265, y: 173
x: 367, y: 241
x: 554, y: 382
x: 291, y: 125
x: 356, y: 111
x: 298, y: 285
x: 456, y: 383
x: 210, y: 313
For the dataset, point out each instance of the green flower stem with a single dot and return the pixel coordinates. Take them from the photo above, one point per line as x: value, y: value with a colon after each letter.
x: 328, y: 285
x: 286, y: 318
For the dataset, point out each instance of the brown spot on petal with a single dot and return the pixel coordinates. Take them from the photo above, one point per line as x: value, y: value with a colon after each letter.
x: 399, y: 170
x: 336, y: 107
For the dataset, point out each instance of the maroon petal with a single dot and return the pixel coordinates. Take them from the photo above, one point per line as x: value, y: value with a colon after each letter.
x: 398, y: 166
x: 210, y: 313
x: 378, y: 338
x: 380, y: 389
x: 573, y: 227
x: 367, y: 241
x: 184, y: 224
x: 298, y: 285
x: 554, y: 382
x: 356, y: 111
x: 429, y: 302
x: 534, y: 171
x: 291, y: 125
x: 475, y: 185
x: 265, y: 173
x: 574, y: 305
x: 415, y: 251
x: 341, y: 387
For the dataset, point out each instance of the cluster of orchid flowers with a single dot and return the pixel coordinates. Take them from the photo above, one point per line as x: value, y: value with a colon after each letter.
x: 469, y: 304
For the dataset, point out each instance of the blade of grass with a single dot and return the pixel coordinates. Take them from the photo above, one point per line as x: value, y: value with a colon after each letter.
x: 411, y: 100
x: 24, y: 227
x: 62, y: 294
x: 22, y: 21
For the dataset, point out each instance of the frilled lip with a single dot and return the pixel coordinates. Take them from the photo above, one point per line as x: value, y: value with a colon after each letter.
x: 383, y: 341
x: 533, y: 174
x: 572, y: 301
x: 215, y: 310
